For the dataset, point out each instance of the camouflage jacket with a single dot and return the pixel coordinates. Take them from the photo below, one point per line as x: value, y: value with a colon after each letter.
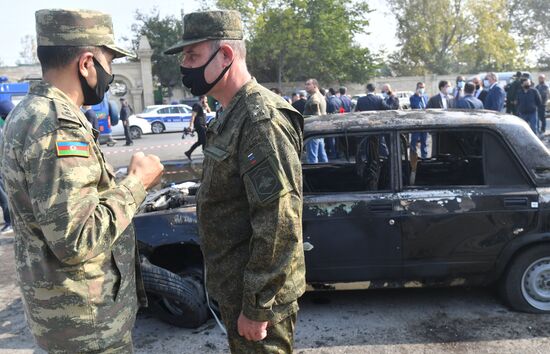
x: 250, y: 205
x: 74, y: 243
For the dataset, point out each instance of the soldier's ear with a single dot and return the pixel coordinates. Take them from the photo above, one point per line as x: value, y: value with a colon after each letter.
x: 85, y: 62
x: 228, y: 54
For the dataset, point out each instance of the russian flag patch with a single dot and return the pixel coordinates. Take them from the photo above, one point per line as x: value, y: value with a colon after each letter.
x: 252, y: 158
x: 73, y: 148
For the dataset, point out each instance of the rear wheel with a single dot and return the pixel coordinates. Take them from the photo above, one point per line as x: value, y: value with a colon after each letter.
x: 157, y: 127
x: 135, y: 132
x: 526, y: 284
x: 176, y: 299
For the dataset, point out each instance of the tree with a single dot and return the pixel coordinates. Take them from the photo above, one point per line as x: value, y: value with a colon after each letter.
x: 443, y: 36
x: 27, y: 56
x: 530, y: 20
x: 494, y: 49
x: 291, y: 40
x: 161, y: 33
x: 429, y: 33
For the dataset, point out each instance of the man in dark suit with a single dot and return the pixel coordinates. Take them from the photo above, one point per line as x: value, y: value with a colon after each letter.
x: 443, y: 99
x: 371, y: 102
x: 300, y: 104
x: 468, y: 101
x: 495, y: 95
x: 480, y: 93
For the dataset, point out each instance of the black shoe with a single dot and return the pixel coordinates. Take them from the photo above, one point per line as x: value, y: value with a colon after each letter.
x: 128, y: 144
x: 188, y: 154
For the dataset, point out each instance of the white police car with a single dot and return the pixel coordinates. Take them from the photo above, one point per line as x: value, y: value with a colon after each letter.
x: 138, y: 127
x: 169, y: 118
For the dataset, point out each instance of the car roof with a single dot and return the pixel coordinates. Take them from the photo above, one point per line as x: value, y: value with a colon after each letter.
x: 526, y: 144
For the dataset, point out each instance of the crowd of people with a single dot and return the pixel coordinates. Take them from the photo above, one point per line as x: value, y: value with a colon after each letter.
x: 520, y: 97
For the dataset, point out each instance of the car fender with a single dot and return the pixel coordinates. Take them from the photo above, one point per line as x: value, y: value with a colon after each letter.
x: 515, y: 246
x: 165, y: 227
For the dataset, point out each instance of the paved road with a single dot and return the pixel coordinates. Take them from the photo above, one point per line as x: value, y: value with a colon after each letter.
x: 168, y: 146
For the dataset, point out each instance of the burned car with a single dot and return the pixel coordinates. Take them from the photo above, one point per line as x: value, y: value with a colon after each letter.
x: 474, y: 212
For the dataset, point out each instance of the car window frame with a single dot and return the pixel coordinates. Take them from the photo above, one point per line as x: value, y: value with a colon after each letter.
x: 392, y: 133
x: 512, y: 154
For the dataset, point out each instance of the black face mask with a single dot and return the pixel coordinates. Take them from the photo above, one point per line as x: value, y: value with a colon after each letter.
x: 478, y: 87
x: 95, y: 95
x: 193, y: 78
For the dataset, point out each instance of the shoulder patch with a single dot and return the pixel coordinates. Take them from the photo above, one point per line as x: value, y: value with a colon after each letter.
x: 72, y: 148
x: 64, y: 112
x: 266, y: 181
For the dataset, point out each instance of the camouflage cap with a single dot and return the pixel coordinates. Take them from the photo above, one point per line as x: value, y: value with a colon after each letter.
x: 59, y: 27
x: 209, y: 25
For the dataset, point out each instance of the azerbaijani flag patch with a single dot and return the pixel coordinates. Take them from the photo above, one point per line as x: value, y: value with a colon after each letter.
x: 73, y: 148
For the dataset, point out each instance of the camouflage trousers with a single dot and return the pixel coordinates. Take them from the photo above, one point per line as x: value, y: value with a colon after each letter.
x: 279, y: 340
x: 125, y: 346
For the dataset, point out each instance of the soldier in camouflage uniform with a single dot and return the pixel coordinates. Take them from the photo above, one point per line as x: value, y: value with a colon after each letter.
x: 74, y: 244
x: 250, y: 199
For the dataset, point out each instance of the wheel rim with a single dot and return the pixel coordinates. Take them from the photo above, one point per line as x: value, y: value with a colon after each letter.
x: 535, y: 284
x: 135, y: 133
x: 156, y: 128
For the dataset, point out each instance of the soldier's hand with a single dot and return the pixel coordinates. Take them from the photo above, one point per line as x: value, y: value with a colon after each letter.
x: 147, y: 168
x: 251, y: 330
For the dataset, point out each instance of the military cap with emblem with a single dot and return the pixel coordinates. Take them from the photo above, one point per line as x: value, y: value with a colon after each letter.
x: 61, y: 27
x: 209, y: 25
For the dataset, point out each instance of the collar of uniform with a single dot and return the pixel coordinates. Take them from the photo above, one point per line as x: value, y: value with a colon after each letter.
x: 63, y: 104
x: 222, y: 117
x: 43, y: 88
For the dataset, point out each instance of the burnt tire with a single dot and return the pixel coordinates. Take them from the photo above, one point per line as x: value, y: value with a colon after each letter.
x: 173, y: 298
x: 526, y: 284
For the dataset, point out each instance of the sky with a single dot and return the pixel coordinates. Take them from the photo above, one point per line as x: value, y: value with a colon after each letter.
x: 17, y: 20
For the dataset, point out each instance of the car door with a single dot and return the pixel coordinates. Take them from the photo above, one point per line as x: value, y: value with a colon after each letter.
x: 173, y: 119
x: 181, y: 118
x: 349, y: 228
x: 463, y: 204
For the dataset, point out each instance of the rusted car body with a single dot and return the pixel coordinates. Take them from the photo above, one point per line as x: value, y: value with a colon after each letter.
x: 475, y: 211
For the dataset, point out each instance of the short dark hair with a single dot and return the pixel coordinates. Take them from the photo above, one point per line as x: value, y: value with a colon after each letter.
x: 418, y: 84
x: 370, y: 87
x: 332, y: 91
x: 276, y: 90
x: 442, y: 84
x: 55, y: 57
x: 343, y: 90
x: 469, y: 88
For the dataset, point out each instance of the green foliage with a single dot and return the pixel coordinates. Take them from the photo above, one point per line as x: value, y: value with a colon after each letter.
x: 162, y: 33
x: 292, y: 40
x: 492, y: 47
x: 443, y: 36
x: 530, y: 22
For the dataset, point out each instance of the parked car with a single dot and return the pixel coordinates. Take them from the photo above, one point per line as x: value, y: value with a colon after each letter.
x: 404, y: 96
x: 169, y: 118
x: 138, y: 127
x: 475, y: 212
